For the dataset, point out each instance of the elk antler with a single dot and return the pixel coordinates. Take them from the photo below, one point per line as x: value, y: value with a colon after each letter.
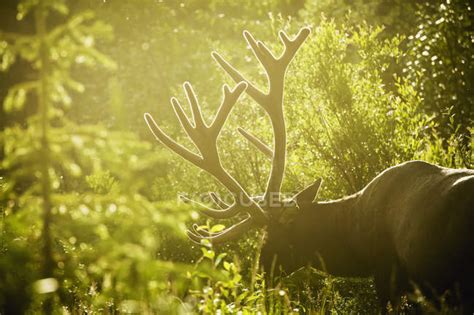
x: 259, y: 144
x: 204, y: 138
x: 272, y: 102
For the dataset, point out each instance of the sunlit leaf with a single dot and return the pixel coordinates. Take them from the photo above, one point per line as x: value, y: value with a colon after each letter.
x: 46, y: 285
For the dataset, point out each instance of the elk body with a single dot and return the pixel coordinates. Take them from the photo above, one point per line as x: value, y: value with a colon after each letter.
x: 412, y: 224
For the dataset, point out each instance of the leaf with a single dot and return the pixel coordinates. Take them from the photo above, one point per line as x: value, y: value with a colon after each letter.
x: 217, y: 228
x: 237, y: 278
x: 219, y: 258
x: 46, y: 285
x: 16, y: 96
x: 7, y: 56
x: 60, y: 7
x: 208, y: 253
x: 14, y: 100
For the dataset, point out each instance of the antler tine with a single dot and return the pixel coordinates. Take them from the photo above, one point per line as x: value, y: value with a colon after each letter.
x: 292, y: 46
x: 170, y: 143
x: 255, y: 93
x: 230, y: 97
x: 228, y: 234
x: 260, y: 51
x: 197, y: 114
x: 259, y: 144
x: 227, y: 213
x: 182, y: 117
x: 218, y: 201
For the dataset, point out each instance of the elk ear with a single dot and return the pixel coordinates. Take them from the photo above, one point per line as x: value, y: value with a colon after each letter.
x: 307, y: 195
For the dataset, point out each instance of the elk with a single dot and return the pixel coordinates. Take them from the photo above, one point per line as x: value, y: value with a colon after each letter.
x: 412, y: 224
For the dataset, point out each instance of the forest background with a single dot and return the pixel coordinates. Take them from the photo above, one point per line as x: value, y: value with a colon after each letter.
x: 90, y: 219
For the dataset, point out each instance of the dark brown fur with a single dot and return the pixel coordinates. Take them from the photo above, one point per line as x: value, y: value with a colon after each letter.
x: 412, y: 224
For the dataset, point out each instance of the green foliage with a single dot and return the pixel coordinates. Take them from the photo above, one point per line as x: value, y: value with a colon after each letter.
x: 231, y: 294
x: 441, y: 64
x: 92, y: 199
x: 359, y: 98
x: 396, y: 16
x: 345, y: 106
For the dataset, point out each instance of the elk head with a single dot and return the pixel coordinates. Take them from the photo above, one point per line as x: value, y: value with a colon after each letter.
x: 269, y: 209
